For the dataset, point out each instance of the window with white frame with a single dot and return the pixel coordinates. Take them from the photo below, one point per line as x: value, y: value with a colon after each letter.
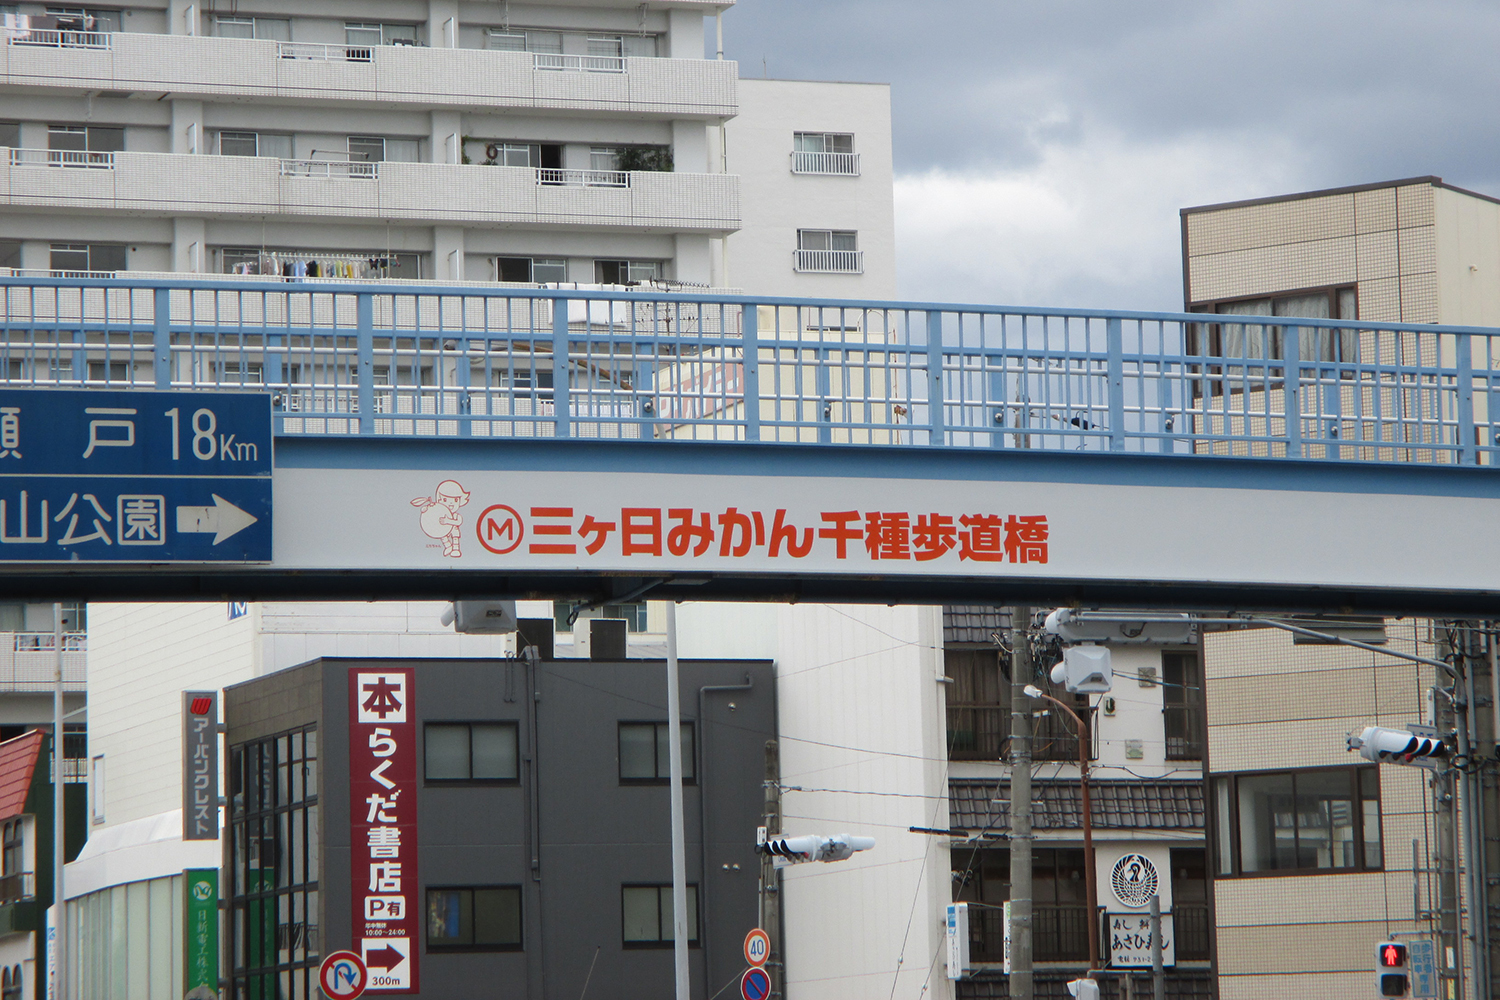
x: 824, y: 153
x: 255, y: 144
x: 626, y: 272
x: 276, y: 29
x: 531, y: 270
x: 383, y: 149
x: 373, y: 33
x: 1264, y: 341
x: 829, y: 251
x: 526, y: 40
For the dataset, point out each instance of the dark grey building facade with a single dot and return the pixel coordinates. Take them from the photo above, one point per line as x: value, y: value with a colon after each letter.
x: 542, y: 825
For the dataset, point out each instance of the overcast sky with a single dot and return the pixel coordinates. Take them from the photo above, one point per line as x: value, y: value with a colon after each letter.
x: 1044, y: 148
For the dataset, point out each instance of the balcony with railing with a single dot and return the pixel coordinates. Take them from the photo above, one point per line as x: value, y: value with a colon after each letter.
x: 982, y: 732
x: 829, y: 261
x: 411, y: 76
x: 17, y: 887
x: 258, y: 186
x: 807, y: 162
x: 28, y: 661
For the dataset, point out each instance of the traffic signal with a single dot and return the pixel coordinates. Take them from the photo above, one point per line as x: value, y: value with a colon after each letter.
x: 1084, y: 670
x: 1391, y: 977
x: 1397, y: 746
x: 839, y: 847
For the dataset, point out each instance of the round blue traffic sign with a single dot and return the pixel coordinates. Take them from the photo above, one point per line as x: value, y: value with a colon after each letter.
x: 755, y: 984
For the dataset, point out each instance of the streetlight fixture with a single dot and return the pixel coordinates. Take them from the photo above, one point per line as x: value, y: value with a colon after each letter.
x: 1090, y: 890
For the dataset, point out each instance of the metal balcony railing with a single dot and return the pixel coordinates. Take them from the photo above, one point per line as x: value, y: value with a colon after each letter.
x: 829, y: 261
x: 846, y: 164
x: 982, y: 732
x: 1183, y: 725
x: 583, y: 178
x: 17, y: 887
x: 320, y: 52
x: 329, y: 169
x: 578, y: 64
x: 673, y: 365
x: 1059, y: 933
x: 62, y: 158
x: 1191, y: 925
x: 49, y: 38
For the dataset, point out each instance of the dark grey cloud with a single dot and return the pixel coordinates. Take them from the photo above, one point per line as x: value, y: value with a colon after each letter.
x: 1365, y: 89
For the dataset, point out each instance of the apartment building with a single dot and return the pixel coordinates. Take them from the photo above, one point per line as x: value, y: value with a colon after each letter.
x: 533, y: 143
x: 1317, y: 856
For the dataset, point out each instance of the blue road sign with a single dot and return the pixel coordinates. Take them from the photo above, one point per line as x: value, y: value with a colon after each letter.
x: 92, y: 476
x: 1421, y: 961
x: 755, y: 984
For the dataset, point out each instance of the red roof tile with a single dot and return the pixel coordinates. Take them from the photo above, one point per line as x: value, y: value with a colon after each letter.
x: 18, y: 759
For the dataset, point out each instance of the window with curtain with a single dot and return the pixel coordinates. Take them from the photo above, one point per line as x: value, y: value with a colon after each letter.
x: 471, y: 751
x: 1182, y: 704
x: 1264, y: 341
x: 1298, y: 822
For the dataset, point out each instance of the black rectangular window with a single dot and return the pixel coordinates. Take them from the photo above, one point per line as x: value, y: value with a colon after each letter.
x: 644, y: 750
x: 978, y: 703
x: 474, y: 918
x: 1182, y: 705
x: 471, y: 751
x: 14, y: 841
x: 646, y: 915
x: 1297, y: 822
x: 273, y: 947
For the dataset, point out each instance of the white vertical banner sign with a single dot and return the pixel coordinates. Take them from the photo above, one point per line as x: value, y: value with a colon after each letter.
x: 958, y: 939
x: 52, y: 991
x: 1005, y: 916
x: 200, y: 765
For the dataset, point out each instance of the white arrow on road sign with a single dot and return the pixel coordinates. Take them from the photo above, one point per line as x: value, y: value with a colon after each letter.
x: 221, y: 520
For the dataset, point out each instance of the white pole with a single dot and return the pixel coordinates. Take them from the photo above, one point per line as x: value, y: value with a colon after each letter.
x: 679, y: 845
x: 58, y: 812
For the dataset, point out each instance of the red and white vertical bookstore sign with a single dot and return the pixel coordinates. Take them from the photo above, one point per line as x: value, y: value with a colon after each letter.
x: 383, y: 827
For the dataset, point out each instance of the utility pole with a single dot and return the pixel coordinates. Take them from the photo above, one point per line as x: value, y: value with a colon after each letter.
x: 1447, y: 707
x: 1158, y: 978
x: 59, y: 809
x: 679, y: 840
x: 1021, y: 980
x: 770, y: 880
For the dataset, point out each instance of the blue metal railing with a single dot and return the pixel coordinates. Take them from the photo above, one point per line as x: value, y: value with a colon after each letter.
x: 430, y: 360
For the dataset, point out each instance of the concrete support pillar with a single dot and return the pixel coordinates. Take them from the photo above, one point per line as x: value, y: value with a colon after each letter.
x: 447, y: 137
x: 684, y: 34
x: 442, y: 24
x: 187, y: 127
x: 447, y: 253
x: 184, y: 17
x: 690, y: 147
x: 694, y: 260
x: 190, y: 246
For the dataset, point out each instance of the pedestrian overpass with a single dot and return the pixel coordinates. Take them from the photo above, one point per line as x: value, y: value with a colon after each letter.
x: 417, y: 439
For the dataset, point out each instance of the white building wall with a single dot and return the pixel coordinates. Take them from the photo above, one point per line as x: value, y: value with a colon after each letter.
x: 861, y: 733
x: 775, y: 202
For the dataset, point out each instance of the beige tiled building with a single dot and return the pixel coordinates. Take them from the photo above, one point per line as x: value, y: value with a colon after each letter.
x: 1316, y: 855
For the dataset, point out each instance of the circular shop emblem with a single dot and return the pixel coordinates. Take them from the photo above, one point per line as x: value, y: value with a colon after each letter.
x: 1134, y: 880
x: 500, y: 529
x: 202, y: 891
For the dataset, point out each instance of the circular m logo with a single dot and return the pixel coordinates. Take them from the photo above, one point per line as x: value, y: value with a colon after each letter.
x: 500, y: 529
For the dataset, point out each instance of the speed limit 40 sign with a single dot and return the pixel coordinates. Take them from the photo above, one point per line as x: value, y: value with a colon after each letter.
x: 757, y: 948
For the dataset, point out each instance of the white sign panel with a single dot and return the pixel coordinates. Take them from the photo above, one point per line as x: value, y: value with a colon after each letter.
x: 646, y: 523
x: 1130, y: 940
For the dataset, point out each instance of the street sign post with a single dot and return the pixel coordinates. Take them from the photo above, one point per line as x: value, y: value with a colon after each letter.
x: 1423, y: 965
x: 757, y: 948
x: 755, y: 984
x: 342, y: 976
x: 157, y: 477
